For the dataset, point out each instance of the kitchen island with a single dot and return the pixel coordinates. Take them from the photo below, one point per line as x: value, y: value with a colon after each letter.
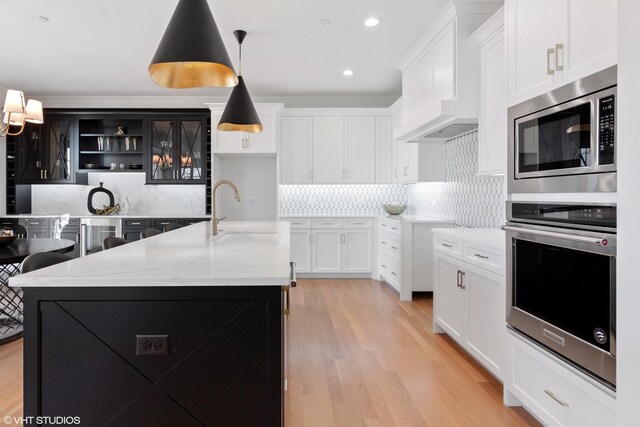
x: 178, y: 329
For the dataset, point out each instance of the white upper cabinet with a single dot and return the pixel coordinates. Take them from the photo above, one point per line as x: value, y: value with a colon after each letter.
x: 554, y: 42
x: 264, y: 142
x: 327, y: 150
x: 492, y: 118
x: 297, y: 139
x: 346, y: 148
x: 359, y: 160
x: 384, y: 150
x: 244, y: 142
x: 440, y: 75
x: 588, y: 28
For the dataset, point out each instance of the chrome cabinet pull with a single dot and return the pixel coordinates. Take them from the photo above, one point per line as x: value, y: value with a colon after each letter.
x: 458, y: 278
x: 559, y: 57
x: 136, y: 223
x: 447, y: 246
x: 462, y: 274
x: 556, y: 398
x: 393, y: 247
x: 550, y: 70
x: 481, y: 256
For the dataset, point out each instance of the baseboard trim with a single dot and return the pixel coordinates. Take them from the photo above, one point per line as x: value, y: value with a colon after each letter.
x: 334, y: 275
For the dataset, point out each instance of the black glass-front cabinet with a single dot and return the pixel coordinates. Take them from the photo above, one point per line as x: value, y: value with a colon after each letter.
x: 45, y: 152
x: 177, y: 150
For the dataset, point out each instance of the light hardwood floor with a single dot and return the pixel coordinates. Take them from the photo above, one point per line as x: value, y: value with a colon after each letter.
x: 357, y: 356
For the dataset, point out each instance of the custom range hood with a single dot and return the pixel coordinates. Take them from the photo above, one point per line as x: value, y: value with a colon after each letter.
x: 440, y: 91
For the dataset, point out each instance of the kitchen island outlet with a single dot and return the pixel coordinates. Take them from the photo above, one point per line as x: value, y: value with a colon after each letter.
x: 178, y: 329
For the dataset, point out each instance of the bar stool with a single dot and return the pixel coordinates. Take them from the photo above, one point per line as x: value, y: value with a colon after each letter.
x: 112, y: 242
x: 42, y: 260
x: 149, y: 232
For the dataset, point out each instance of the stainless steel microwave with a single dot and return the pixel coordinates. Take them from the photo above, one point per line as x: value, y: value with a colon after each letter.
x: 565, y: 140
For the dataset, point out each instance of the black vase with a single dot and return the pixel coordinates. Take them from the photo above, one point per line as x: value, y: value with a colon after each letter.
x: 93, y: 192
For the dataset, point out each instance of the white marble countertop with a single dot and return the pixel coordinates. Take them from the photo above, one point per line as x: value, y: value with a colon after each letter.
x: 244, y: 253
x: 492, y: 237
x: 399, y: 218
x: 416, y: 219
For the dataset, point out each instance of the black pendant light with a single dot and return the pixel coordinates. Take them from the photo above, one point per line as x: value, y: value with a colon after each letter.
x: 239, y: 113
x: 191, y: 52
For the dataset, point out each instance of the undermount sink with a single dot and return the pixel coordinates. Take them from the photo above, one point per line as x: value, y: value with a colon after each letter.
x: 248, y: 237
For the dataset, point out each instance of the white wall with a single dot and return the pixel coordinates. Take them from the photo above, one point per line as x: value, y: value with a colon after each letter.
x: 51, y: 199
x: 255, y: 178
x: 628, y: 280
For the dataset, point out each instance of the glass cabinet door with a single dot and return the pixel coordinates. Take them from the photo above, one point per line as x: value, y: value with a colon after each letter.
x: 191, y: 150
x: 30, y: 167
x: 162, y: 150
x: 58, y: 158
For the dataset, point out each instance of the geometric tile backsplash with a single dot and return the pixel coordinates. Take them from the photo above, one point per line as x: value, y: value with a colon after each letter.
x: 339, y: 199
x: 469, y: 199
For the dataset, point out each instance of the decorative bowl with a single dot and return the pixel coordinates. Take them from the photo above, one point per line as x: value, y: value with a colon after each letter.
x: 394, y: 209
x: 7, y: 236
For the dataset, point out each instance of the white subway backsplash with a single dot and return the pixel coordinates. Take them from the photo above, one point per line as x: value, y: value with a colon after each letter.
x: 339, y: 199
x: 470, y: 200
x: 180, y: 200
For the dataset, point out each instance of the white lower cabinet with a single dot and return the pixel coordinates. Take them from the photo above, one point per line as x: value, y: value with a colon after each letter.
x: 326, y: 251
x: 469, y: 301
x: 332, y: 245
x: 555, y: 392
x: 301, y: 249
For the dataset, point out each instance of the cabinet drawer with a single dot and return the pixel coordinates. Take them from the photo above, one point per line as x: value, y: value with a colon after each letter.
x: 162, y: 222
x: 327, y: 223
x: 557, y: 395
x: 36, y: 222
x: 8, y: 221
x: 357, y: 223
x: 137, y: 222
x: 390, y: 270
x: 388, y: 226
x: 389, y: 244
x: 451, y: 247
x: 490, y: 259
x: 300, y: 223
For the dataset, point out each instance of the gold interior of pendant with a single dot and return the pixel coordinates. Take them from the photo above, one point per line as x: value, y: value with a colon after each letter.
x: 231, y: 127
x: 182, y: 75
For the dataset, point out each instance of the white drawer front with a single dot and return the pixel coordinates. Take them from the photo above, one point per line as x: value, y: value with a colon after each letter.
x: 392, y: 227
x: 555, y: 394
x: 326, y: 223
x: 488, y: 258
x: 357, y: 223
x: 389, y: 244
x: 390, y: 270
x: 300, y: 223
x: 451, y: 247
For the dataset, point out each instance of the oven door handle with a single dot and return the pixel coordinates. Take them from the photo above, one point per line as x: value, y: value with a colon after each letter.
x: 571, y: 237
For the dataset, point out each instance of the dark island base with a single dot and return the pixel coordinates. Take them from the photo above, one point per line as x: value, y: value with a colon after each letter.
x: 224, y: 367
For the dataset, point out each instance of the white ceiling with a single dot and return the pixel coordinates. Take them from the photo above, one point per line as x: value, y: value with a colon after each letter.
x: 103, y: 47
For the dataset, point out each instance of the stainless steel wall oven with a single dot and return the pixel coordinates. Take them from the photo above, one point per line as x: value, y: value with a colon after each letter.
x: 561, y: 276
x: 565, y: 140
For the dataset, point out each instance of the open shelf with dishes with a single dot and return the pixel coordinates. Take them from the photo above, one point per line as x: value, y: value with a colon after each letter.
x: 111, y: 143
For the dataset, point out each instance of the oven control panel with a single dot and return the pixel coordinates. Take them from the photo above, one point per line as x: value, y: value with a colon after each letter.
x: 597, y: 215
x: 606, y: 130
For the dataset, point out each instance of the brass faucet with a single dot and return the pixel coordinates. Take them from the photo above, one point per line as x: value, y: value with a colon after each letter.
x: 214, y: 221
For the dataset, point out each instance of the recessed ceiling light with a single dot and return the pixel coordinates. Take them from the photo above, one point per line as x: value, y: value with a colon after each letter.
x: 347, y: 73
x: 372, y: 22
x: 324, y: 22
x: 43, y: 19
